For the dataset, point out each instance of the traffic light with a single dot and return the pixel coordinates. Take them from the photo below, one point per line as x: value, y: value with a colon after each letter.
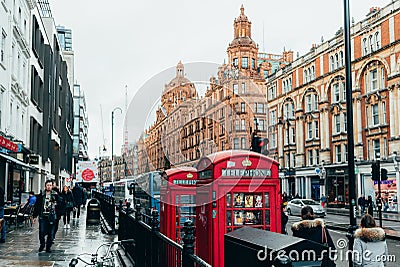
x: 375, y: 171
x: 264, y: 146
x: 384, y: 174
x: 256, y: 144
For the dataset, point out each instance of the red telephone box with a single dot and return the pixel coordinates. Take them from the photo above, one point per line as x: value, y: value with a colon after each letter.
x: 235, y: 188
x: 178, y: 200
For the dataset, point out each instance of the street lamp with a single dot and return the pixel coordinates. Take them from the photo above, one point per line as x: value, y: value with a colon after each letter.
x: 286, y: 123
x: 396, y: 164
x: 112, y: 142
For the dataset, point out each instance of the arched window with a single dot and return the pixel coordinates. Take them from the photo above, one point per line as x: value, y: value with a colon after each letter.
x: 331, y: 63
x: 336, y: 61
x: 341, y: 58
x: 364, y: 47
x: 377, y: 40
x: 371, y: 44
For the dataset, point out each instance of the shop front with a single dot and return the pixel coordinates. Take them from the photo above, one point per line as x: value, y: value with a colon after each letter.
x: 17, y: 178
x: 337, y: 182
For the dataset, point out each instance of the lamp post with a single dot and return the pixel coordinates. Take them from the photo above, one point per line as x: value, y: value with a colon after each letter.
x: 286, y: 123
x: 396, y: 163
x: 112, y: 142
x: 350, y: 131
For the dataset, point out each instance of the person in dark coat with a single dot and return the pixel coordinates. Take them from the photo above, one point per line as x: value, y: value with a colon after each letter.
x: 284, y: 219
x: 69, y: 205
x: 312, y: 229
x: 77, y: 192
x: 44, y: 206
x: 60, y: 209
x: 370, y: 206
x: 361, y: 203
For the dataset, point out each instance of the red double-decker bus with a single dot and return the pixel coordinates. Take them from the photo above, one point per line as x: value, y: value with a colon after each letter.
x: 235, y: 188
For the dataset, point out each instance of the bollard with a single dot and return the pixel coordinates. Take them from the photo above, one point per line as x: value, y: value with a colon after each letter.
x: 154, y: 220
x: 138, y: 214
x: 188, y: 243
x: 155, y: 243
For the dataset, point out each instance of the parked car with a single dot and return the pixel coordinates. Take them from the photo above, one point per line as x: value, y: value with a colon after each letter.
x: 294, y: 207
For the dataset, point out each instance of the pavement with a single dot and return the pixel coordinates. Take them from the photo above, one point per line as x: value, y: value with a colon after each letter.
x: 21, y: 246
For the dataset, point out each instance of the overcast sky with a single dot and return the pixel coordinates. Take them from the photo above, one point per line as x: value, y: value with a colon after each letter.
x: 125, y: 43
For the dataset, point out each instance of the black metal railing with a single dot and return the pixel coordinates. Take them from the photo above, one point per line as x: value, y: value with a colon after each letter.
x: 107, y: 207
x: 152, y: 248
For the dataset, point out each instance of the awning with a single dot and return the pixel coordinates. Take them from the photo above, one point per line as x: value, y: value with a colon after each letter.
x: 18, y: 162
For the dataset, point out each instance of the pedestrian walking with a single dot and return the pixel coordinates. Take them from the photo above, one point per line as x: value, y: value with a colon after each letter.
x: 2, y: 221
x: 60, y: 209
x: 77, y: 192
x: 369, y: 239
x: 314, y: 230
x: 370, y: 206
x: 69, y: 206
x: 32, y: 198
x: 323, y: 200
x: 361, y: 203
x: 284, y: 219
x: 45, y: 210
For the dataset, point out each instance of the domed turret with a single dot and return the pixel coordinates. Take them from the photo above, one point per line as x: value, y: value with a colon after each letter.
x: 178, y: 90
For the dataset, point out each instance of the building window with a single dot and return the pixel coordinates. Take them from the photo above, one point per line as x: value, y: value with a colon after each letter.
x: 316, y: 156
x: 382, y: 77
x: 316, y: 126
x: 235, y: 88
x: 384, y: 112
x: 375, y: 115
x: 345, y: 153
x: 338, y: 152
x: 341, y: 59
x: 371, y: 44
x: 273, y: 140
x: 288, y: 110
x: 309, y: 130
x: 260, y: 108
x: 243, y: 140
x: 364, y: 47
x: 378, y: 40
x: 272, y: 117
x: 337, y: 123
x: 336, y: 97
x: 377, y: 147
x: 235, y: 143
x: 235, y: 62
x: 243, y: 107
x: 308, y: 103
x: 243, y: 125
x: 310, y: 158
x: 253, y: 63
x: 261, y: 125
x: 345, y: 122
x: 243, y: 88
x: 373, y: 74
x: 331, y: 63
x: 272, y: 92
x: 245, y: 62
x: 237, y: 128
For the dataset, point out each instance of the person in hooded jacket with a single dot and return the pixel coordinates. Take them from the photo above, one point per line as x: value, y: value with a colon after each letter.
x: 369, y: 244
x: 314, y: 230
